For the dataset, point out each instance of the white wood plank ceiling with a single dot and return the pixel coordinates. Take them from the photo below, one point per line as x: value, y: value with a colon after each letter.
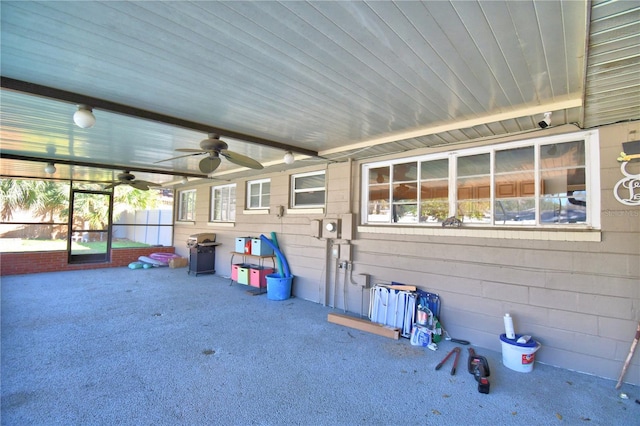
x: 343, y: 79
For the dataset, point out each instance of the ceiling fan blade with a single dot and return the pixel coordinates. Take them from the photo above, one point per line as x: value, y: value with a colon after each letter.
x: 241, y: 160
x: 209, y: 164
x: 112, y: 185
x: 180, y: 156
x: 139, y: 184
x: 191, y: 150
x: 146, y: 182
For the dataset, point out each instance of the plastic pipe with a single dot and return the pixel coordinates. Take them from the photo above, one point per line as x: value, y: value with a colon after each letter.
x: 285, y: 266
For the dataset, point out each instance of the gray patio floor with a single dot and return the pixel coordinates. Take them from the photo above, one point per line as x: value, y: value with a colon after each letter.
x: 157, y: 346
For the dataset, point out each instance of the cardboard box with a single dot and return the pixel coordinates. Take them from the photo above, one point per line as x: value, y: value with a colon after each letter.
x: 178, y: 262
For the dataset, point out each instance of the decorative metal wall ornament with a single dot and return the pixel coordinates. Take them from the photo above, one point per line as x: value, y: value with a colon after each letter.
x: 627, y: 190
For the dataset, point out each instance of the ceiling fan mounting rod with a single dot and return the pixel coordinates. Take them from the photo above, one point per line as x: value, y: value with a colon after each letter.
x: 102, y: 104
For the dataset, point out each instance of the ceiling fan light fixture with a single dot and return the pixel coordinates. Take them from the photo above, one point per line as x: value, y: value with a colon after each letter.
x: 84, y: 117
x: 289, y: 158
x: 50, y: 168
x: 216, y: 149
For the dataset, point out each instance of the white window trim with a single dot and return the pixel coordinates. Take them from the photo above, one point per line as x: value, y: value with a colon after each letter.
x: 294, y: 192
x: 180, y: 200
x: 211, y: 203
x: 306, y: 211
x: 592, y: 170
x: 520, y: 233
x: 256, y: 211
x: 248, y: 195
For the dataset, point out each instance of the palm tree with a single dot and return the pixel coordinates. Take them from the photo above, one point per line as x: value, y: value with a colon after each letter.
x: 51, y: 203
x: 47, y: 200
x: 14, y: 195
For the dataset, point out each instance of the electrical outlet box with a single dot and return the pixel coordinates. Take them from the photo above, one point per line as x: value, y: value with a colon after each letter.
x: 331, y: 228
x: 345, y: 252
x: 366, y: 280
x: 347, y: 227
x: 315, y: 228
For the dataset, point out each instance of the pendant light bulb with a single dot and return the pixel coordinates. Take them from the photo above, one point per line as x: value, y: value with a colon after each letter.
x: 84, y: 117
x: 50, y: 168
x: 288, y: 158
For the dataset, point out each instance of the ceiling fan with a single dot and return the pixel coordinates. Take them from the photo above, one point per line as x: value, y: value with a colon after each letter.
x: 214, y: 148
x: 127, y: 178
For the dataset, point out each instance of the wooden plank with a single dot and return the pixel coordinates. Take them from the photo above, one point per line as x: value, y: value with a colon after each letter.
x: 364, y: 325
x: 399, y: 287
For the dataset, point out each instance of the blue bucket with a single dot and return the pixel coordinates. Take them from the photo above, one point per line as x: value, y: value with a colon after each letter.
x: 278, y: 288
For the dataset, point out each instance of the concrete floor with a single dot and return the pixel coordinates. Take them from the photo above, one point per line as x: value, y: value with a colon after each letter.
x: 157, y: 346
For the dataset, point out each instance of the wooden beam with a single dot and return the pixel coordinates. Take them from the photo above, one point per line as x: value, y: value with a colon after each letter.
x: 364, y: 325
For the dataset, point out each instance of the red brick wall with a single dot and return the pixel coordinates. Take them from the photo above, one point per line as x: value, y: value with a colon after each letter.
x: 52, y: 261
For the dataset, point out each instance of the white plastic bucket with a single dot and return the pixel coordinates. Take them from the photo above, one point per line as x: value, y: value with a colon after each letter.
x: 519, y: 356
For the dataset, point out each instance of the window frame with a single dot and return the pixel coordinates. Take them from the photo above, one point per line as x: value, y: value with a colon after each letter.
x: 263, y: 205
x: 191, y: 214
x: 294, y: 192
x: 231, y: 203
x: 591, y: 169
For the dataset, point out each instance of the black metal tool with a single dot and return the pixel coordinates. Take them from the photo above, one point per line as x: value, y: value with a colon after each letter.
x: 455, y: 361
x: 479, y: 367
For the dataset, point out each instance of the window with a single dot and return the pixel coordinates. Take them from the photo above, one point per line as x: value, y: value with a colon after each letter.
x: 187, y: 205
x: 537, y: 183
x: 434, y: 191
x: 473, y: 188
x: 563, y: 180
x: 308, y: 189
x: 379, y: 208
x: 223, y: 203
x: 514, y: 186
x: 404, y: 192
x: 258, y: 194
